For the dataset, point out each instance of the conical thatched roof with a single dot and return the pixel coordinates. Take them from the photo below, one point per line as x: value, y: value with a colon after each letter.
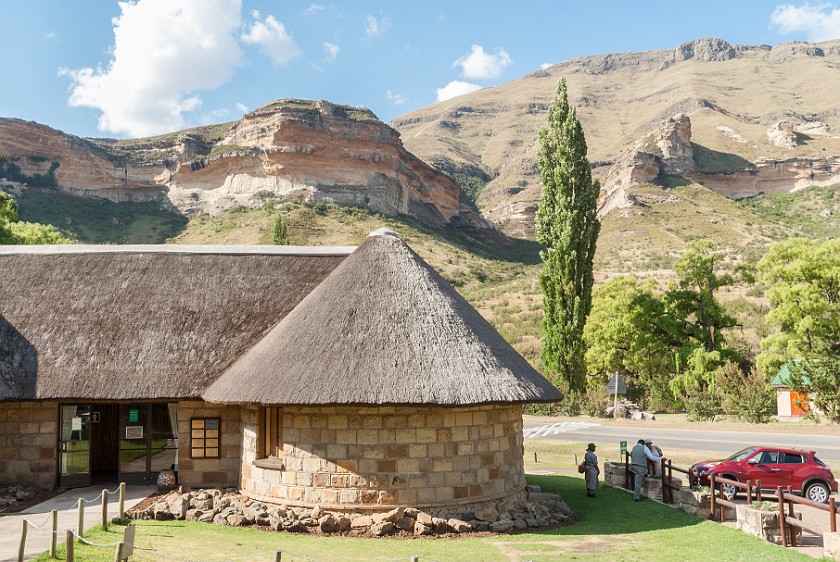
x: 383, y: 328
x: 141, y: 322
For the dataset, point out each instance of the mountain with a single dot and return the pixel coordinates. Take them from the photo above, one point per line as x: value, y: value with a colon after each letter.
x: 318, y: 150
x: 740, y: 120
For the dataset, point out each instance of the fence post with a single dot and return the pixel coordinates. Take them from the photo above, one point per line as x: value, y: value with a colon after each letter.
x: 81, y: 507
x: 22, y: 547
x: 277, y: 555
x: 118, y: 556
x: 69, y: 545
x: 749, y: 492
x: 54, y: 533
x: 781, y: 499
x: 122, y: 500
x: 415, y: 559
x: 627, y: 485
x: 833, y: 521
x: 104, y: 509
x: 758, y: 490
x: 712, y: 490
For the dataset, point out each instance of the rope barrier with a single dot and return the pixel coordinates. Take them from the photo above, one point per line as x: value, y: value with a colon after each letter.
x: 39, y: 527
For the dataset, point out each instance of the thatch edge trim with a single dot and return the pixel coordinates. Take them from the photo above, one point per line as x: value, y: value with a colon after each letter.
x: 232, y: 249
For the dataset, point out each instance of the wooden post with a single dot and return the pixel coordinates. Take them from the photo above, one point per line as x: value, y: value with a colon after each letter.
x: 758, y: 490
x: 54, y: 534
x: 833, y: 521
x: 69, y: 545
x: 712, y: 490
x: 104, y: 509
x: 22, y: 547
x: 81, y: 507
x: 277, y: 555
x: 781, y: 499
x: 749, y: 492
x: 122, y: 500
x: 118, y: 557
x: 415, y: 559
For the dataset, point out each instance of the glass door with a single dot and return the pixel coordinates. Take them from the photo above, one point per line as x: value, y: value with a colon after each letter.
x: 74, y: 446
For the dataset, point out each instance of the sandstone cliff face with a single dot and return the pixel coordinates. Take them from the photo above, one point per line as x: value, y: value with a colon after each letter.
x: 323, y: 151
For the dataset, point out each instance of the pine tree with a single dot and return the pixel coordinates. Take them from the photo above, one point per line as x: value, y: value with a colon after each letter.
x: 278, y: 231
x: 567, y: 225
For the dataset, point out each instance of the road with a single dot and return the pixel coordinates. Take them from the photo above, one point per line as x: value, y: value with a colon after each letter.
x: 715, y: 444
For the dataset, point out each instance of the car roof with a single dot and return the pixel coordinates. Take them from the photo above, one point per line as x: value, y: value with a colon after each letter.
x: 783, y: 449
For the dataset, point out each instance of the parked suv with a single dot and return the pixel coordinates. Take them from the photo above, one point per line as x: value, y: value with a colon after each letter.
x: 801, y: 470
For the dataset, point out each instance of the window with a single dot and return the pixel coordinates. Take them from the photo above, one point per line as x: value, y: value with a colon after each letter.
x: 270, y: 438
x: 769, y: 457
x: 205, y: 438
x: 791, y: 458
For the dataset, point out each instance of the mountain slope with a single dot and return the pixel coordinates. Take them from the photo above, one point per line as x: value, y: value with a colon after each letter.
x: 748, y: 105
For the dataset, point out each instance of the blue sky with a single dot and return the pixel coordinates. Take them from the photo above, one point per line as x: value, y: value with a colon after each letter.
x: 122, y: 69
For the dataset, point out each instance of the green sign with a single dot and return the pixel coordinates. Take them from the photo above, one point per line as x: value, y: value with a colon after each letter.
x: 623, y: 447
x: 133, y: 415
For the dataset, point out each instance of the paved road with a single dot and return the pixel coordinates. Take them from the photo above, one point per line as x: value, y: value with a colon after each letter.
x: 715, y: 443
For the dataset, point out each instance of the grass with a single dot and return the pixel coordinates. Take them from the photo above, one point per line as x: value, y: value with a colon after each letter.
x: 610, y: 525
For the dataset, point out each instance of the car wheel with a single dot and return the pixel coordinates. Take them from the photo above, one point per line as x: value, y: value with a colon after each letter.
x: 817, y: 492
x: 728, y: 491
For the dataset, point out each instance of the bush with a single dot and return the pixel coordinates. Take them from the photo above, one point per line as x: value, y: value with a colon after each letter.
x: 701, y: 405
x: 746, y: 395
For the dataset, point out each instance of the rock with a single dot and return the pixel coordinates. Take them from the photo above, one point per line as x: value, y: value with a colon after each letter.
x: 193, y: 515
x: 487, y: 514
x: 424, y: 518
x: 533, y: 488
x: 782, y: 135
x: 361, y: 522
x: 208, y: 517
x: 458, y: 525
x: 405, y: 524
x: 317, y: 512
x: 275, y: 523
x: 502, y: 526
x: 382, y: 529
x: 236, y: 520
x: 395, y: 514
x: 179, y: 506
x: 532, y: 522
x: 440, y: 525
x: 422, y: 528
x: 263, y: 519
x: 309, y: 521
x: 328, y: 524
x: 519, y: 524
x: 297, y: 527
x: 479, y: 526
x: 343, y: 524
x: 220, y: 519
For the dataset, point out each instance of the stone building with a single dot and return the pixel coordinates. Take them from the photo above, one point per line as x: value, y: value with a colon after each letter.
x: 356, y: 379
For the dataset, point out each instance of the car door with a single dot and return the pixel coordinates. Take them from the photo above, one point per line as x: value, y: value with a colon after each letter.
x: 789, y: 464
x: 764, y: 467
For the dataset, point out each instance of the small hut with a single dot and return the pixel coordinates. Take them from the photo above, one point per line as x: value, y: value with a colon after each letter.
x: 353, y: 380
x: 789, y: 403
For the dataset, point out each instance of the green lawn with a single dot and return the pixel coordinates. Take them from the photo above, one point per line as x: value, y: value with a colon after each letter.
x: 611, y: 525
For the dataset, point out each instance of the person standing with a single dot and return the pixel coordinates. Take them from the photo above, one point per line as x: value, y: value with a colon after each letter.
x: 638, y: 466
x: 592, y: 471
x: 654, y: 468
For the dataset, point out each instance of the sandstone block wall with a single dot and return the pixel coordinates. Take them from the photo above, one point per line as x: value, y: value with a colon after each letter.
x: 375, y: 458
x: 28, y: 439
x: 203, y: 473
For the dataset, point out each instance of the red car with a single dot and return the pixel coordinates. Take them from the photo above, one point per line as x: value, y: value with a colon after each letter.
x: 801, y: 470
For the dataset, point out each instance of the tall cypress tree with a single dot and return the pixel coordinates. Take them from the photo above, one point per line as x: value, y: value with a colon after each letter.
x: 567, y: 225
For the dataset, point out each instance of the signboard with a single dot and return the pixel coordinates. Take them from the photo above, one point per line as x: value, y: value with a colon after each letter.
x: 134, y: 432
x: 76, y: 424
x: 133, y: 415
x: 616, y: 385
x: 623, y: 446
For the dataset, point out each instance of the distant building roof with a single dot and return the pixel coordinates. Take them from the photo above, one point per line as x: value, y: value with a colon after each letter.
x: 782, y: 378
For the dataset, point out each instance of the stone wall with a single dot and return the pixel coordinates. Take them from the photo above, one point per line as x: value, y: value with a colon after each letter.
x: 205, y: 473
x: 375, y: 458
x: 28, y: 437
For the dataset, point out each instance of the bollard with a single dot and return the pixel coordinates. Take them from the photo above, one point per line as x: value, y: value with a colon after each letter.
x: 277, y: 555
x: 122, y: 500
x: 22, y: 542
x: 54, y: 534
x: 81, y: 507
x: 105, y: 509
x: 69, y: 547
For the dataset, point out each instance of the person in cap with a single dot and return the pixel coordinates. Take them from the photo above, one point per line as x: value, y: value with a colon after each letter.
x: 654, y: 468
x: 592, y: 471
x: 638, y: 466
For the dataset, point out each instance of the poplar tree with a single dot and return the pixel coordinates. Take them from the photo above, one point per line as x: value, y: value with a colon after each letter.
x: 567, y: 225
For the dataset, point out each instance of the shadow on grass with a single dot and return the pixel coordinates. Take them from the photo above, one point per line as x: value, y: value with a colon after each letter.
x: 612, y: 512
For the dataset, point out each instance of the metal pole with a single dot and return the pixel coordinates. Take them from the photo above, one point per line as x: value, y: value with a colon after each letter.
x: 22, y: 547
x: 104, y: 509
x: 54, y: 534
x: 615, y: 401
x: 122, y: 500
x: 81, y: 506
x: 69, y: 547
x: 781, y: 499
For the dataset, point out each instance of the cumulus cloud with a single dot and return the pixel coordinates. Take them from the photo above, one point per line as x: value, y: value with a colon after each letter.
x: 819, y: 22
x: 313, y: 9
x: 480, y: 65
x: 331, y: 51
x: 395, y: 98
x: 376, y: 27
x: 454, y: 89
x: 272, y: 38
x: 242, y: 107
x: 164, y: 51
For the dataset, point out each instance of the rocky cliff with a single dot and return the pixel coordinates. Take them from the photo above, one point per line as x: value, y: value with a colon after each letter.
x: 322, y: 151
x: 739, y: 119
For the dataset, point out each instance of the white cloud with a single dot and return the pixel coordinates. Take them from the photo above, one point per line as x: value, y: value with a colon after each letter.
x: 331, y: 51
x: 375, y: 27
x: 164, y: 51
x: 454, y: 89
x: 313, y: 9
x: 545, y: 65
x: 479, y: 65
x: 819, y: 22
x: 396, y: 99
x: 242, y: 107
x: 273, y: 40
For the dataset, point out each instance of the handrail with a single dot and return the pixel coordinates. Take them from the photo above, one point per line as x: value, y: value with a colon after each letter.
x: 831, y: 508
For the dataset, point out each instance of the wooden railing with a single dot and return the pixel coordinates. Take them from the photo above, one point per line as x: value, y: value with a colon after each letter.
x: 666, y: 470
x: 789, y: 519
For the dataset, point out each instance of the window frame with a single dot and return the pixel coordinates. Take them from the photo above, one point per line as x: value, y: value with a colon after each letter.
x: 269, y: 450
x: 204, y: 437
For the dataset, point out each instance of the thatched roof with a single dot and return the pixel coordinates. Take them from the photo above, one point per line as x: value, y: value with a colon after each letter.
x: 383, y: 328
x: 141, y: 322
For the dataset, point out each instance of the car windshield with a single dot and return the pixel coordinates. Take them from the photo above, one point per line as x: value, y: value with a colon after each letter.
x: 741, y: 455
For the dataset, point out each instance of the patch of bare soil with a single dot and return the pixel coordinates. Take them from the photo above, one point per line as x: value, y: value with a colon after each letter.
x: 14, y: 498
